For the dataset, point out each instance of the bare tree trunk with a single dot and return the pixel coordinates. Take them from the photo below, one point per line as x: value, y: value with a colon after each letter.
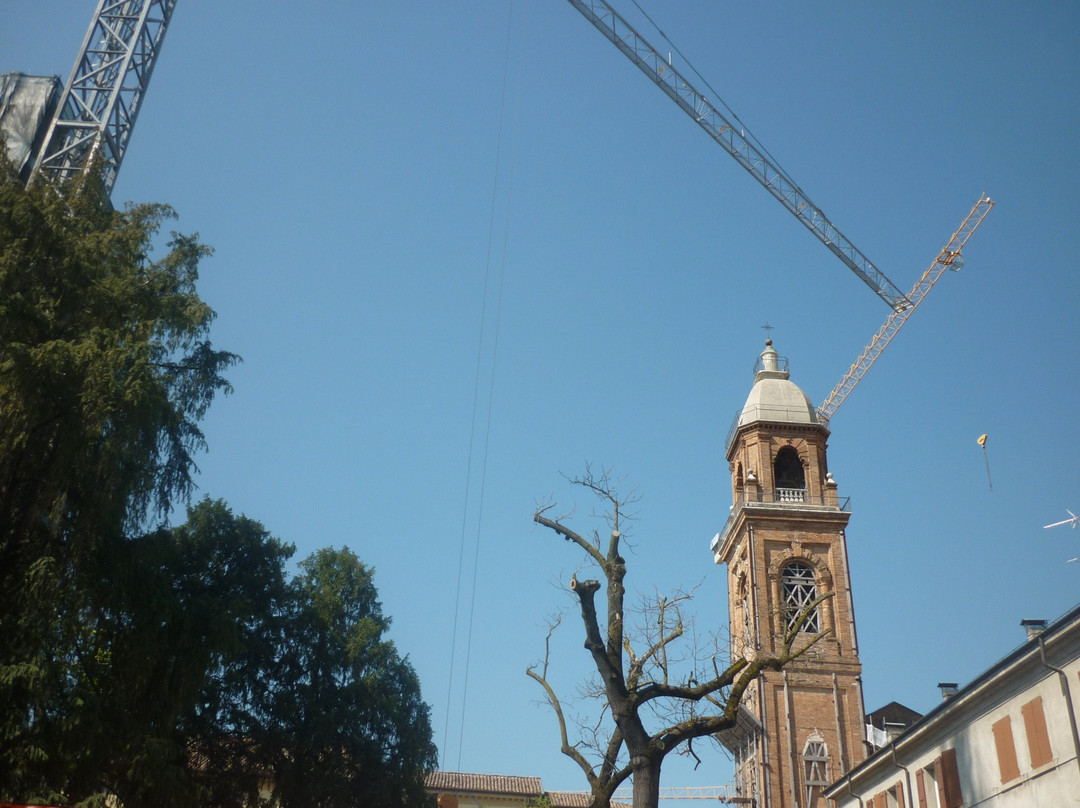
x: 647, y: 780
x: 645, y: 756
x: 647, y: 682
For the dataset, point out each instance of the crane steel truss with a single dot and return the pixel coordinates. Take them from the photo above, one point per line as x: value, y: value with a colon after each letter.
x: 726, y: 794
x: 733, y: 139
x: 102, y: 97
x: 948, y: 258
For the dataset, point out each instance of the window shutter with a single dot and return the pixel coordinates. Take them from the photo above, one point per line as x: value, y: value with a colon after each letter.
x: 899, y: 791
x: 920, y: 785
x: 939, y: 778
x: 1037, y: 736
x: 949, y: 782
x: 1006, y: 750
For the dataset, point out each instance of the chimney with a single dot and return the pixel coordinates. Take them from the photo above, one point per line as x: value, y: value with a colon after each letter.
x: 948, y: 690
x: 1033, y: 627
x: 894, y: 729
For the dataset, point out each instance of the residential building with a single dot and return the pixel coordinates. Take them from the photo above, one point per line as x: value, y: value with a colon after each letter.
x: 1006, y: 740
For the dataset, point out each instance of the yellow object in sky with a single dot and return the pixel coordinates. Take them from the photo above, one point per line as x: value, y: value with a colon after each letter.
x: 982, y: 442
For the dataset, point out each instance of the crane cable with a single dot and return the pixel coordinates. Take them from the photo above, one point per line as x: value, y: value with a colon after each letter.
x: 476, y: 396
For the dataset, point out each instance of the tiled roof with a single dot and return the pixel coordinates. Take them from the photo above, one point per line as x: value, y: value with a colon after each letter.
x: 893, y: 713
x: 569, y: 799
x: 577, y: 799
x: 484, y: 783
x: 508, y: 785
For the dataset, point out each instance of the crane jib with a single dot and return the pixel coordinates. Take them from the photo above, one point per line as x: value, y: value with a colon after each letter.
x: 734, y: 141
x: 945, y: 260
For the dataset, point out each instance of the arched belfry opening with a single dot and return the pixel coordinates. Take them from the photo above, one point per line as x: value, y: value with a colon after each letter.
x: 788, y: 472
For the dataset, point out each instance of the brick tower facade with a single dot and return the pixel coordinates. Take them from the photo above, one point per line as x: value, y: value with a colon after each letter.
x: 784, y: 544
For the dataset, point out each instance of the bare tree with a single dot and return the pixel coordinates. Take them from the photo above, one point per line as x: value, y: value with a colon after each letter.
x: 638, y: 687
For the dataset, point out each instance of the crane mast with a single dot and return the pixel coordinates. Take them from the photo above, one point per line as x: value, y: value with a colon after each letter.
x: 948, y: 258
x: 733, y: 139
x: 101, y: 99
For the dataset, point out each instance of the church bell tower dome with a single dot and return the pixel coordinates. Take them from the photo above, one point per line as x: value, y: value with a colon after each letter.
x: 774, y: 397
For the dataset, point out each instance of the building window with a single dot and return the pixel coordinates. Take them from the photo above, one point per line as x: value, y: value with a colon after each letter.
x: 815, y: 766
x: 745, y: 766
x: 799, y: 591
x: 938, y: 785
x: 925, y: 787
x: 948, y: 780
x: 896, y: 796
x: 1006, y: 750
x: 1037, y: 737
x: 741, y: 628
x: 890, y: 798
x: 788, y: 470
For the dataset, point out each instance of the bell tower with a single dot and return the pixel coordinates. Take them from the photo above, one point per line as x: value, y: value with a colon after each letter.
x: 784, y: 545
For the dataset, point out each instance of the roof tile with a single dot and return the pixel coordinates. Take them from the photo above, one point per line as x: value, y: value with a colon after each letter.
x: 484, y: 783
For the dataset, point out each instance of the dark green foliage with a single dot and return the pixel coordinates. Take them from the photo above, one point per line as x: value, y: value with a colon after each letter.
x: 161, y: 666
x: 105, y: 370
x: 354, y: 706
x: 333, y: 716
x: 191, y: 604
x: 105, y: 366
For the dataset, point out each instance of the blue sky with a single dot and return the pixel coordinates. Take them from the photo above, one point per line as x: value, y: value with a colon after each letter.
x: 419, y: 206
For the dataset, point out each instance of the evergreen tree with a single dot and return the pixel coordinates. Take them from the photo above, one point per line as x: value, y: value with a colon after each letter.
x: 105, y: 370
x: 349, y: 712
x: 141, y: 663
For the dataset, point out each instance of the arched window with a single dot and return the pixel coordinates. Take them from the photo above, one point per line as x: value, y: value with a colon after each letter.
x: 789, y: 475
x: 743, y: 641
x: 815, y: 766
x: 799, y: 591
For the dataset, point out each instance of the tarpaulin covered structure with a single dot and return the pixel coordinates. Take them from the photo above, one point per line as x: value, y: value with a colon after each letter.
x: 26, y: 106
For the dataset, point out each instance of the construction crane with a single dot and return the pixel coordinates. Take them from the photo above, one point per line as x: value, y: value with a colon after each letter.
x: 777, y: 182
x: 948, y: 258
x: 725, y: 794
x: 102, y: 97
x: 732, y: 138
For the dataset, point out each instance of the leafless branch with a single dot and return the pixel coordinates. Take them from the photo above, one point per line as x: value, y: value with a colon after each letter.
x: 570, y: 535
x: 687, y: 690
